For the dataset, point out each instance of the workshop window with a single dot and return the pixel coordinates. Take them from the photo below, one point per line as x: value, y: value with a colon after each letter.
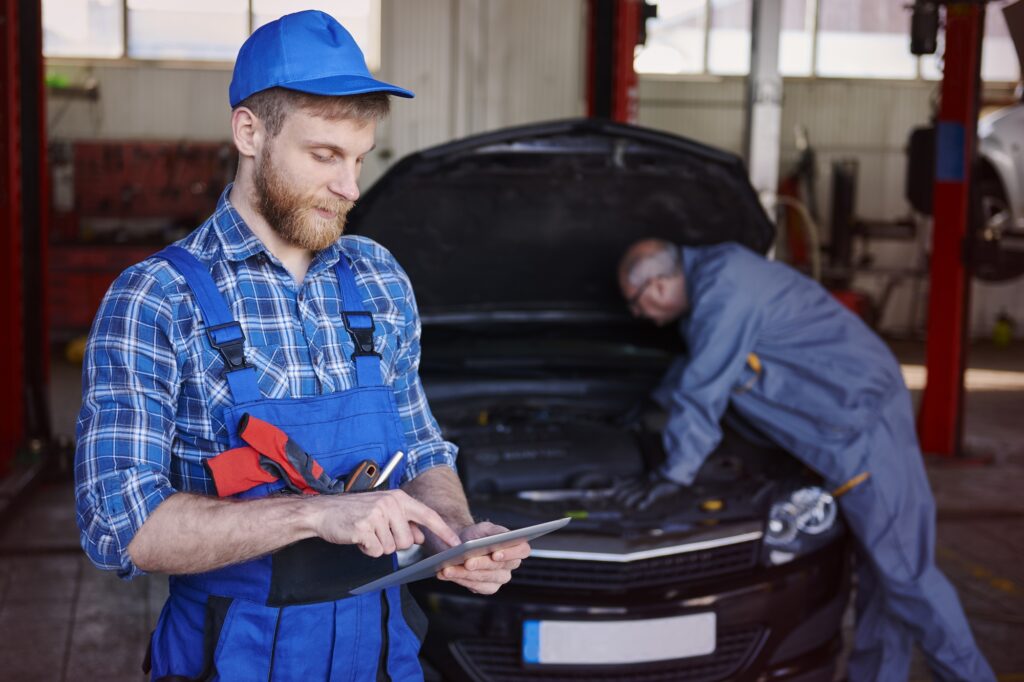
x: 186, y: 30
x: 832, y: 38
x: 729, y: 37
x: 675, y: 39
x: 360, y: 17
x: 77, y: 28
x: 796, y: 42
x: 999, y: 61
x: 865, y: 39
x: 998, y: 56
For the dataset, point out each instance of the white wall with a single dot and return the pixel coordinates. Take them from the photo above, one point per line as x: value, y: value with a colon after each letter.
x: 142, y: 102
x: 868, y: 120
x: 477, y: 65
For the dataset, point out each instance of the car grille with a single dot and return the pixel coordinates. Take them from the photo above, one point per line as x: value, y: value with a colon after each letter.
x: 490, y: 660
x: 566, y: 574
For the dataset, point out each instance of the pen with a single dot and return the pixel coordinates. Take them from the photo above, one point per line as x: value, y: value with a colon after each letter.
x: 392, y: 463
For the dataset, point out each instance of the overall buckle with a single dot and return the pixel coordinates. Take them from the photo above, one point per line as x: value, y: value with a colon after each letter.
x: 360, y: 326
x: 229, y: 340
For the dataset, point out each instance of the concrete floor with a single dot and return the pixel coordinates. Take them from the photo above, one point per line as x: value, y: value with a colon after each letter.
x: 61, y: 619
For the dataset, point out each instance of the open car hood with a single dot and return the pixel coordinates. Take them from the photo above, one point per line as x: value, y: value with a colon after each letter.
x: 536, y: 217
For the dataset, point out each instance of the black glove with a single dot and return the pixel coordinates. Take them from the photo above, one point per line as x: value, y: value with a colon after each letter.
x: 643, y: 492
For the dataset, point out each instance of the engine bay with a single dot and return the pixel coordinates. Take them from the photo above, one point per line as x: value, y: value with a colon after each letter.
x: 525, y: 460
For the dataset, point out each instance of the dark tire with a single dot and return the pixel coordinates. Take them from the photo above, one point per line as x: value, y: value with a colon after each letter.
x: 998, y: 248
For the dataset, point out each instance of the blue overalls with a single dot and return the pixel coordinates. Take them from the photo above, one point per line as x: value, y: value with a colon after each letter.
x: 289, y: 616
x: 828, y: 390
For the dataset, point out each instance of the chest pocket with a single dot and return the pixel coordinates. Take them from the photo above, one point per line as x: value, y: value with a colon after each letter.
x: 386, y: 341
x: 337, y: 357
x: 268, y: 361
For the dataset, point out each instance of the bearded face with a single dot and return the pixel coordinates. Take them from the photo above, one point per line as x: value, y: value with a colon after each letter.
x: 300, y: 219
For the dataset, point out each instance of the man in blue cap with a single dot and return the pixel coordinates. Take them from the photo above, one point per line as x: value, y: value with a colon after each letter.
x: 812, y: 377
x: 266, y: 311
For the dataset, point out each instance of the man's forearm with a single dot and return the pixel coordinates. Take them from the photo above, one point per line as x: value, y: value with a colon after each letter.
x: 195, y: 533
x: 441, y: 489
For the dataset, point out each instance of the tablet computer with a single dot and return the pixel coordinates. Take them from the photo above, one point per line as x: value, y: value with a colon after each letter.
x: 454, y: 556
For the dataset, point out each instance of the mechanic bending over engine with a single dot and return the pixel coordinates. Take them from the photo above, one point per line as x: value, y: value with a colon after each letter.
x: 266, y: 316
x: 812, y: 377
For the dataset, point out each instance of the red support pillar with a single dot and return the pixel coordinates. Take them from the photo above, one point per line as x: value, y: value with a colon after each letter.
x: 615, y: 28
x: 624, y: 97
x: 12, y: 371
x: 35, y: 219
x: 941, y: 418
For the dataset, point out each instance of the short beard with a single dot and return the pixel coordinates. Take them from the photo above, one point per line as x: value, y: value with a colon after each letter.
x: 293, y: 216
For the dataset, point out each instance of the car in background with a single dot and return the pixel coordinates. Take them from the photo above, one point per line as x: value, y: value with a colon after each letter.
x: 1000, y: 192
x: 534, y: 368
x: 998, y: 218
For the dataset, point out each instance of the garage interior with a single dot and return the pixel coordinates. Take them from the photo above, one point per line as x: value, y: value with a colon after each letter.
x: 115, y: 143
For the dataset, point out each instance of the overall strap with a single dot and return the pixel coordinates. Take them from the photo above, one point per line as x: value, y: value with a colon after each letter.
x: 359, y: 324
x: 223, y: 332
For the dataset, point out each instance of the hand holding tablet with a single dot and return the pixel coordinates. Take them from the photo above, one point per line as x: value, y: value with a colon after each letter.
x: 459, y: 554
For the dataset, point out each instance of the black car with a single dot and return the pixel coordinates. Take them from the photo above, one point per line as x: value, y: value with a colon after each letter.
x: 535, y: 369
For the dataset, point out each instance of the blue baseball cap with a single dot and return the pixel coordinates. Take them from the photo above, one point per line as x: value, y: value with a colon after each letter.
x: 307, y: 51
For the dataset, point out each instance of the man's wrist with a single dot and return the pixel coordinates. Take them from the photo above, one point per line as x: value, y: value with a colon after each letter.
x: 440, y: 489
x: 310, y: 516
x: 660, y: 476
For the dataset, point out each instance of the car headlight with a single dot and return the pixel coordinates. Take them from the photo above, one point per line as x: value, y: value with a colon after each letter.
x: 807, y: 519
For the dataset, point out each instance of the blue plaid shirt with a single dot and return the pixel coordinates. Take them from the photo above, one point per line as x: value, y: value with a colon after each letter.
x: 151, y: 404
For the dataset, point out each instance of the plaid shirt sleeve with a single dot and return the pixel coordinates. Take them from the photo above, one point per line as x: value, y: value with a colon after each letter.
x: 125, y: 427
x: 427, y: 447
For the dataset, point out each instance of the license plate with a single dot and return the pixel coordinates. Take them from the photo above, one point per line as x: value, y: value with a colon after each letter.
x: 617, y: 642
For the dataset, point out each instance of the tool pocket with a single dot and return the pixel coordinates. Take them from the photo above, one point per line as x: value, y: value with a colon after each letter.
x: 746, y: 382
x: 245, y: 646
x: 314, y: 570
x: 341, y: 462
x: 749, y: 376
x: 213, y: 627
x: 216, y: 614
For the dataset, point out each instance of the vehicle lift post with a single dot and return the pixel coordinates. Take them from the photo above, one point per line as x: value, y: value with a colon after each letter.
x: 940, y: 420
x: 12, y: 371
x: 614, y: 29
x: 24, y: 204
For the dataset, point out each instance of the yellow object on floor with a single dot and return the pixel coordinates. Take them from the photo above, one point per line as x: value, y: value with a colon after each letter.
x: 74, y: 351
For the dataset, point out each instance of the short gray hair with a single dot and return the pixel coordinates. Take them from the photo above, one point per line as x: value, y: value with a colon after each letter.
x: 665, y: 261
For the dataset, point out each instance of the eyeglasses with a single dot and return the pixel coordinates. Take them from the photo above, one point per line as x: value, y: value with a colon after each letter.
x: 633, y: 300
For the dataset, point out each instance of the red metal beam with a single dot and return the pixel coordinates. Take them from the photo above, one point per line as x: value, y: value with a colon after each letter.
x: 627, y: 28
x: 12, y: 373
x: 613, y: 28
x: 35, y: 217
x: 941, y: 418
